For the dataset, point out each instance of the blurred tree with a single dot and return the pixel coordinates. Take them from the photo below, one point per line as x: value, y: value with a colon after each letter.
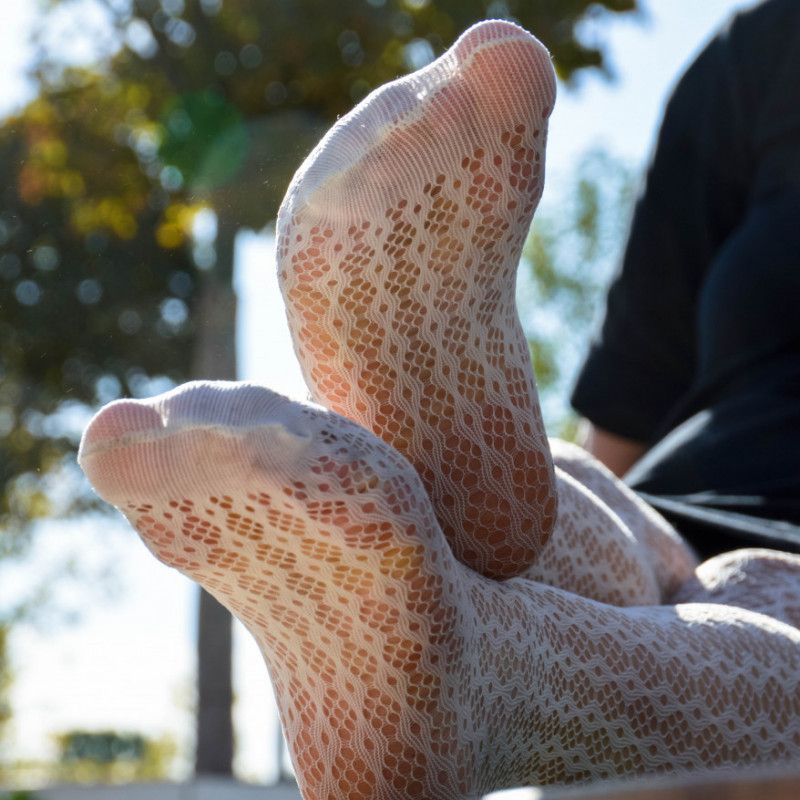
x: 92, y: 306
x: 190, y: 103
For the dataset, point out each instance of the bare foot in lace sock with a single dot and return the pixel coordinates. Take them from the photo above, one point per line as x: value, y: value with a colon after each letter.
x: 398, y: 241
x: 400, y: 673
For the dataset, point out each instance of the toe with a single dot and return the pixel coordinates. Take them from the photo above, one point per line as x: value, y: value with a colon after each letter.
x: 116, y: 422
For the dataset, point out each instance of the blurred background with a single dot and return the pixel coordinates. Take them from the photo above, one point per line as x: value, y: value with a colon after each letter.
x: 144, y: 148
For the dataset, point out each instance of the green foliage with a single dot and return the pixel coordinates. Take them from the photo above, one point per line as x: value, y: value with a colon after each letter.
x: 102, y: 748
x: 570, y: 254
x: 92, y: 305
x: 112, y: 757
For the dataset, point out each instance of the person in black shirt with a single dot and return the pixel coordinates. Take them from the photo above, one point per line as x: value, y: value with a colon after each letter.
x: 692, y: 387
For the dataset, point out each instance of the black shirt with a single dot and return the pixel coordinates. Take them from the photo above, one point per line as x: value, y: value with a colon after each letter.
x: 699, y: 352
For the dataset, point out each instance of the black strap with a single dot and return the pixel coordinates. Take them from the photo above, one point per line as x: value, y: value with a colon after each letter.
x: 712, y: 530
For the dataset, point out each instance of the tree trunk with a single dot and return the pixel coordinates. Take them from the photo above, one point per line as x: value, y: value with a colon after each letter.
x: 215, y: 359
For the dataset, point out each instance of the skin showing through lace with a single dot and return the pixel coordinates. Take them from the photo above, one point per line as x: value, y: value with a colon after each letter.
x: 361, y: 545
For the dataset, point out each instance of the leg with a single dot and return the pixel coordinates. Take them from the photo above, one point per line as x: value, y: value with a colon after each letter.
x: 667, y: 554
x: 593, y: 553
x: 766, y: 581
x: 400, y: 673
x: 398, y: 242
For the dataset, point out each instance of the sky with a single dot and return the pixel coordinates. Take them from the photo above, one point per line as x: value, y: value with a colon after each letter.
x: 127, y: 662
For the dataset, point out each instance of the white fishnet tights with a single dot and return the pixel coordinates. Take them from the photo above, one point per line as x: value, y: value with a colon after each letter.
x: 400, y: 672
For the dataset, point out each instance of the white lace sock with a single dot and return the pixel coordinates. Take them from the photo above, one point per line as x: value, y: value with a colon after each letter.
x: 399, y: 672
x: 398, y: 245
